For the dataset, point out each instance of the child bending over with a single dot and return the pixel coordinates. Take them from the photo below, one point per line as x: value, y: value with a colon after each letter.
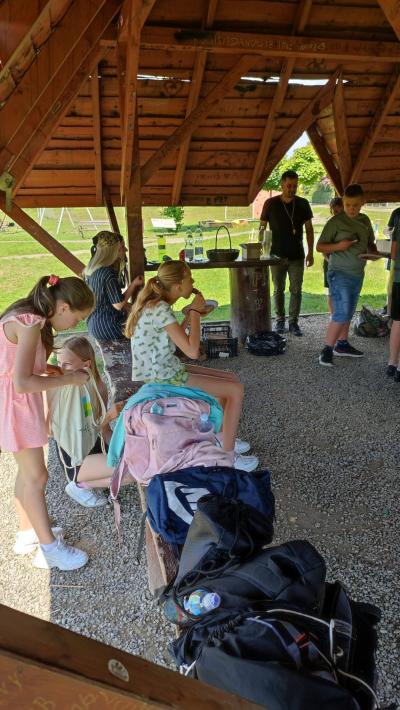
x: 26, y: 341
x: 155, y: 332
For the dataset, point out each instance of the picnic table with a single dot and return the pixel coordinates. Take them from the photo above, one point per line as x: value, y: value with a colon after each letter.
x: 249, y: 292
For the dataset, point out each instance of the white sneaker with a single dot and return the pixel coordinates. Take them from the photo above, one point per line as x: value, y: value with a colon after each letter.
x: 26, y: 541
x: 242, y: 447
x: 85, y: 496
x: 245, y: 463
x: 63, y: 556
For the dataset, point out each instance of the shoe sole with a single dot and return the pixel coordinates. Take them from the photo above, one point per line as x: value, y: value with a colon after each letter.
x: 43, y: 564
x: 242, y: 451
x: 346, y: 355
x: 325, y: 364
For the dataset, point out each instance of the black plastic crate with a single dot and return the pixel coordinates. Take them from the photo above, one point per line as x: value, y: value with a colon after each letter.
x: 216, y: 330
x: 221, y: 347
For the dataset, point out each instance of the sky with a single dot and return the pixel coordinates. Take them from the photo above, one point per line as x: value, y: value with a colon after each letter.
x: 300, y: 143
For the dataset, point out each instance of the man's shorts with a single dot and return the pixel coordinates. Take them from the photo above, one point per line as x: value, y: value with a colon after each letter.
x: 395, y: 302
x: 345, y: 290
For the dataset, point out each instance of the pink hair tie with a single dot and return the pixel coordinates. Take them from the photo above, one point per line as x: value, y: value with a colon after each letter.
x: 53, y: 280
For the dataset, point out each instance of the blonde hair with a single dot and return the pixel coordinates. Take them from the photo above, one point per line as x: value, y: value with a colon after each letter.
x: 106, y: 248
x: 156, y: 289
x: 43, y: 298
x: 82, y: 348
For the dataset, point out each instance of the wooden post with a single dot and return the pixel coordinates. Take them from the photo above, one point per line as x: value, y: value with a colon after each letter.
x: 41, y: 236
x: 250, y: 300
x: 110, y: 210
x: 133, y: 213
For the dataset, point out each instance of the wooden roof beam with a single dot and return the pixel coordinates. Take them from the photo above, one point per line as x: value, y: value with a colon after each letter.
x: 388, y: 98
x: 123, y: 21
x: 322, y: 151
x: 41, y: 102
x: 211, y: 12
x: 176, y: 39
x: 133, y: 213
x: 341, y: 133
x: 98, y: 166
x: 110, y: 210
x: 307, y: 118
x: 196, y: 116
x: 303, y: 12
x: 44, y: 238
x: 129, y: 94
x: 391, y: 11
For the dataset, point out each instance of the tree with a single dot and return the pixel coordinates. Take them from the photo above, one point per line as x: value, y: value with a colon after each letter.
x: 177, y: 213
x: 305, y: 162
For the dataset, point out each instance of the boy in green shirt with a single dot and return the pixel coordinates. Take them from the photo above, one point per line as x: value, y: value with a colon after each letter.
x: 345, y: 238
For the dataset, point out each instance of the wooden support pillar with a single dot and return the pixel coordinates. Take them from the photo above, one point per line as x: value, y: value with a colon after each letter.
x: 41, y: 236
x: 250, y: 300
x: 133, y: 212
x: 110, y: 210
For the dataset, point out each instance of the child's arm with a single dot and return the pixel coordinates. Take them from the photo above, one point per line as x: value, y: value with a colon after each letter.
x: 332, y: 247
x: 189, y: 344
x: 113, y: 413
x: 24, y: 379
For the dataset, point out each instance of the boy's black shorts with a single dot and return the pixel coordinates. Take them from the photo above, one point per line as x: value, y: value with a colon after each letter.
x: 395, y: 304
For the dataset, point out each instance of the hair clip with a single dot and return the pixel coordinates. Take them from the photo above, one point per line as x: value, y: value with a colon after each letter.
x: 53, y: 280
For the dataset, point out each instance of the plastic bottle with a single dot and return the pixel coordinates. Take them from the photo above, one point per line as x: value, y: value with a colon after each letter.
x: 204, y: 423
x: 161, y: 239
x: 201, y: 602
x: 156, y: 408
x: 198, y: 245
x: 175, y: 614
x: 189, y: 248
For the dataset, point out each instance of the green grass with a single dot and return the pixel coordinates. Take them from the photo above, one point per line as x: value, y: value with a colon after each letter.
x: 27, y: 260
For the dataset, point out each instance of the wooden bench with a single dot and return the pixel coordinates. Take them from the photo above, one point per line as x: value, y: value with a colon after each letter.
x: 162, y: 564
x: 96, y: 225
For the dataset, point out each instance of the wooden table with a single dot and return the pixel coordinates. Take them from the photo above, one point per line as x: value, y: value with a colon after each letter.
x: 249, y: 291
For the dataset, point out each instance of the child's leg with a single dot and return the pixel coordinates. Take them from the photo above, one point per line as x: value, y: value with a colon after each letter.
x: 232, y: 392
x: 336, y: 331
x: 394, y: 345
x: 95, y: 472
x: 212, y: 372
x: 29, y: 493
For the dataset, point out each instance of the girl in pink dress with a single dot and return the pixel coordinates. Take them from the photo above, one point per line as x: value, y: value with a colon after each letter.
x: 26, y: 341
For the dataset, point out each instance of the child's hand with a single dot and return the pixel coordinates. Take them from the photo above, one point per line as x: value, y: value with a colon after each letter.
x: 114, y: 411
x: 53, y: 370
x: 198, y: 303
x: 138, y: 281
x: 345, y: 244
x: 78, y: 377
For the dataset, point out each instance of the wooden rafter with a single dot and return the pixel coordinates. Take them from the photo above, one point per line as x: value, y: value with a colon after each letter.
x: 303, y: 12
x: 386, y: 103
x: 194, y: 93
x: 175, y: 39
x: 130, y: 85
x: 301, y: 124
x: 98, y: 166
x: 196, y: 116
x: 123, y: 24
x: 341, y: 131
x: 110, y: 210
x: 133, y: 213
x: 22, y: 148
x: 326, y: 157
x: 391, y: 11
x: 211, y: 12
x: 41, y: 235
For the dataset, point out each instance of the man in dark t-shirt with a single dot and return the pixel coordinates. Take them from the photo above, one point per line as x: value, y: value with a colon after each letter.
x: 286, y: 215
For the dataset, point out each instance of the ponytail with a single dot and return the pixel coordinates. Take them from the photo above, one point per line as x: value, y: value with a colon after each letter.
x: 42, y: 301
x: 156, y: 289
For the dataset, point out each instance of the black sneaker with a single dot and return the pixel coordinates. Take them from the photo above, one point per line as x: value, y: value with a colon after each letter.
x: 396, y: 376
x: 294, y: 328
x: 326, y: 357
x: 391, y: 370
x: 280, y: 327
x: 347, y: 350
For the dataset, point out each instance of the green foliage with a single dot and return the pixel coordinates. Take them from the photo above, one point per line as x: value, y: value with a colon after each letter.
x: 176, y: 213
x: 322, y: 193
x: 306, y: 164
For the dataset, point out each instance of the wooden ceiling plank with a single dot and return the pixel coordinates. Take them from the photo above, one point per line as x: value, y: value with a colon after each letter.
x: 322, y: 151
x: 391, y: 11
x: 38, y: 127
x: 98, y: 167
x: 41, y: 235
x: 174, y: 39
x: 341, y: 133
x: 316, y: 105
x: 196, y: 116
x: 194, y: 93
x: 130, y: 86
x: 389, y: 97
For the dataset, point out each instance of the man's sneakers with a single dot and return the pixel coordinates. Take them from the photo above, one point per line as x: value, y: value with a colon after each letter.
x: 26, y: 541
x: 326, y: 356
x: 245, y: 463
x: 60, y: 555
x: 280, y: 327
x: 391, y: 370
x: 295, y: 329
x: 84, y: 496
x: 344, y: 349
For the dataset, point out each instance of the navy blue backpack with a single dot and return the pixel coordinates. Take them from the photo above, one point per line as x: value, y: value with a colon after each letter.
x: 172, y: 498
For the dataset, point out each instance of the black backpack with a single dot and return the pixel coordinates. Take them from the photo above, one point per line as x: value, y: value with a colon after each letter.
x: 266, y: 343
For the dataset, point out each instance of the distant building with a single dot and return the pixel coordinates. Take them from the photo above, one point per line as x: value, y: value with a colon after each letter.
x: 259, y: 201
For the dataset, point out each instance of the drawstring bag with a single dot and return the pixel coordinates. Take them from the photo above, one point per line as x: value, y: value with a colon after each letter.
x: 266, y: 343
x: 72, y: 422
x: 370, y: 324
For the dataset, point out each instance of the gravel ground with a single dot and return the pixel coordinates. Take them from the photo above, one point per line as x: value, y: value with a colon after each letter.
x: 329, y: 439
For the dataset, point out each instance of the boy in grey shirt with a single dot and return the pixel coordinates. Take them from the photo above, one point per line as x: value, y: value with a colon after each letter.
x: 345, y: 238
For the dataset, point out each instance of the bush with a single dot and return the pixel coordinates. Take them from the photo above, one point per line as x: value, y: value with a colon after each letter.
x: 176, y: 213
